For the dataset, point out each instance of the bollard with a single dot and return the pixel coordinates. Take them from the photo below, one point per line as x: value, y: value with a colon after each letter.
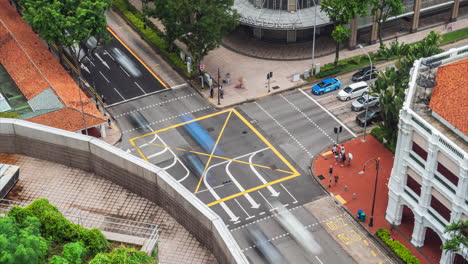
x: 346, y: 188
x: 354, y: 196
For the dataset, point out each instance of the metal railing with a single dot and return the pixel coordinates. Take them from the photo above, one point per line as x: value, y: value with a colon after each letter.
x: 105, y: 223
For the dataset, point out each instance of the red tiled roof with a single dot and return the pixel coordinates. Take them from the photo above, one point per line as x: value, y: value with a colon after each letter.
x: 450, y: 97
x: 68, y: 119
x: 28, y: 78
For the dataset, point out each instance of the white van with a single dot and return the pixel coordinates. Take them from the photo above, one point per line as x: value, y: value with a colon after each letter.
x: 353, y: 90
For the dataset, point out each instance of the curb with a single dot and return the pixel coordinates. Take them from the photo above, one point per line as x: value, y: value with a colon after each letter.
x: 384, y: 247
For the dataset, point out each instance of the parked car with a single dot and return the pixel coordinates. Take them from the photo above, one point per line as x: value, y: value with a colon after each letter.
x: 363, y: 101
x: 365, y: 74
x: 353, y: 90
x: 325, y: 86
x: 373, y: 115
x: 269, y: 251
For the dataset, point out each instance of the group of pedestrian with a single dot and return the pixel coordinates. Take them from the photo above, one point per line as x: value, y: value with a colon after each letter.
x: 340, y: 155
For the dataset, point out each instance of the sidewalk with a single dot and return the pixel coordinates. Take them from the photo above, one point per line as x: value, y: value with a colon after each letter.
x: 361, y: 186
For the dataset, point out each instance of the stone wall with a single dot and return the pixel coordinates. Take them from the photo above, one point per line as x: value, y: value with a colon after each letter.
x: 128, y: 171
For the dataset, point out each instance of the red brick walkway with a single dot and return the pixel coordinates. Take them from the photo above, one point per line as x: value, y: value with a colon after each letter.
x: 362, y: 185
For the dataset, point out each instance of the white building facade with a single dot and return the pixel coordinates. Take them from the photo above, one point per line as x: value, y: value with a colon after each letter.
x: 430, y: 170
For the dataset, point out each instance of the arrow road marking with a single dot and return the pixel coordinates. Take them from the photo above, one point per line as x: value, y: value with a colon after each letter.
x: 232, y: 216
x: 247, y: 196
x: 261, y: 194
x: 108, y: 54
x: 260, y: 177
x: 103, y: 62
x: 248, y: 216
x: 295, y: 201
x: 85, y: 68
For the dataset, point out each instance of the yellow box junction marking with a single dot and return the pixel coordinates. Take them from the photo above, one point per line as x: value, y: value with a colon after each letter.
x: 291, y: 174
x: 340, y: 199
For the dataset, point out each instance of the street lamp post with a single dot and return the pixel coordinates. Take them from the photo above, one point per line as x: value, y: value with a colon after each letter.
x: 367, y: 105
x: 313, y: 37
x: 377, y: 166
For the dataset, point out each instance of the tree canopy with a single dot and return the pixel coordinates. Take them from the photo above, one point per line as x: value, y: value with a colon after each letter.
x: 340, y: 14
x: 458, y: 236
x: 67, y: 23
x: 382, y: 10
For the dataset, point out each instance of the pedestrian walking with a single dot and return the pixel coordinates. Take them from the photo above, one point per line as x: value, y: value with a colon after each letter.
x: 211, y: 91
x: 336, y: 180
x: 335, y: 149
x: 109, y: 122
x: 350, y: 157
x: 330, y: 171
x: 450, y: 27
x: 342, y: 149
x: 343, y: 159
x: 221, y: 92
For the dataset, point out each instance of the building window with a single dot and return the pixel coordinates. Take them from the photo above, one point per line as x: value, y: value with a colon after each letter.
x: 440, y: 208
x: 420, y: 151
x: 447, y: 174
x: 413, y: 185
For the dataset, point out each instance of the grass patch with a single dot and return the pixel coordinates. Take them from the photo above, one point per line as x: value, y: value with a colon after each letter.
x: 454, y: 35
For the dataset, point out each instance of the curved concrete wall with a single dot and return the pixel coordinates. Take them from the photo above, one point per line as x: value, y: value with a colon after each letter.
x: 130, y: 172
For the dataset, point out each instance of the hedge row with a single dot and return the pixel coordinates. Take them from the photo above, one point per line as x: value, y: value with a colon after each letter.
x: 402, y: 252
x: 151, y: 32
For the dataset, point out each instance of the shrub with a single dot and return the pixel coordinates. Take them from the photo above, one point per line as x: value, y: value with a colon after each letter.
x: 402, y: 252
x: 9, y: 115
x: 74, y: 252
x: 328, y: 72
x: 123, y: 255
x: 58, y: 260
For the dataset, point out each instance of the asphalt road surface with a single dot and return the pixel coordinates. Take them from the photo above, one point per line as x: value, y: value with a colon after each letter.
x: 118, y: 81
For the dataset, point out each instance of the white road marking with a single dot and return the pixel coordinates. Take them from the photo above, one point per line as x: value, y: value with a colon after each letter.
x: 108, y: 54
x: 248, y: 216
x: 124, y: 71
x: 328, y: 112
x: 89, y: 60
x: 228, y: 211
x: 179, y: 86
x: 119, y: 94
x: 104, y: 77
x: 155, y: 104
x: 140, y: 87
x: 285, y: 130
x: 169, y: 118
x: 273, y: 192
x: 84, y: 68
x: 103, y: 61
x: 295, y: 201
x: 308, y: 118
x: 326, y: 97
x: 261, y: 194
x: 249, y: 198
x: 319, y: 260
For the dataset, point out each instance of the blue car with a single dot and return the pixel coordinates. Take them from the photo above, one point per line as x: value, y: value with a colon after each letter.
x: 325, y: 86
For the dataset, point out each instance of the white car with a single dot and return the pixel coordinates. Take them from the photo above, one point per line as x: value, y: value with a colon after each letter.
x: 353, y: 90
x: 363, y: 101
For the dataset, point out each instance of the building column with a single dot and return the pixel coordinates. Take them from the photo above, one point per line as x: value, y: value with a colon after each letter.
x: 415, y: 20
x: 374, y: 31
x: 394, y: 211
x: 291, y: 36
x: 292, y: 6
x: 353, y: 37
x: 454, y: 11
x: 446, y: 257
x: 258, y: 3
x: 103, y: 130
x: 419, y: 231
x: 462, y: 189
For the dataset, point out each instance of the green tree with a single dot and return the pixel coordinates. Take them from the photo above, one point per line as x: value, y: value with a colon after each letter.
x: 173, y: 15
x: 21, y: 242
x: 382, y: 10
x: 458, y: 232
x: 340, y: 13
x: 124, y: 256
x: 68, y: 24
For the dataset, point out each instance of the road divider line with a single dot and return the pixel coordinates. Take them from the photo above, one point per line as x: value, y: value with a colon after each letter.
x: 119, y: 94
x: 328, y: 112
x: 104, y: 77
x: 140, y: 87
x: 295, y: 201
x: 124, y: 71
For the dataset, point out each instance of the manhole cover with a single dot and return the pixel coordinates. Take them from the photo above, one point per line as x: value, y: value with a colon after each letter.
x: 321, y: 177
x: 244, y: 132
x: 210, y: 129
x: 273, y: 167
x: 275, y: 87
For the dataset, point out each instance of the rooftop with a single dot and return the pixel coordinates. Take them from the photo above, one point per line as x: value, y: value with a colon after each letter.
x: 439, y: 96
x: 43, y: 82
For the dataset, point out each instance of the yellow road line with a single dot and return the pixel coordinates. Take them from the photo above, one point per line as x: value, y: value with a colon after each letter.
x: 183, y: 123
x: 327, y: 153
x: 137, y: 57
x: 252, y: 189
x: 366, y: 242
x: 373, y: 253
x: 213, y: 150
x: 293, y: 170
x: 138, y: 150
x: 219, y: 157
x: 340, y: 199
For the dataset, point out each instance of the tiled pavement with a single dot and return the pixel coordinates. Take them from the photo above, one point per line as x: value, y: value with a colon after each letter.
x: 83, y: 192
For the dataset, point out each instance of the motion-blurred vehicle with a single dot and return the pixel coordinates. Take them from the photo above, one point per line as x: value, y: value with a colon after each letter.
x: 196, y: 166
x: 373, y: 115
x: 365, y: 74
x: 125, y: 62
x: 325, y: 86
x: 139, y: 122
x: 352, y: 91
x: 363, y: 101
x: 296, y: 229
x: 269, y: 251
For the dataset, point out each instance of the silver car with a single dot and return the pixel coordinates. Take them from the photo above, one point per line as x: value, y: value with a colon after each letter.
x: 367, y: 99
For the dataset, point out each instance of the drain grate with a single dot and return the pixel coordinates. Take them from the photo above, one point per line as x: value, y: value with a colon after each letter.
x: 321, y: 177
x: 244, y: 132
x: 275, y: 87
x: 210, y: 129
